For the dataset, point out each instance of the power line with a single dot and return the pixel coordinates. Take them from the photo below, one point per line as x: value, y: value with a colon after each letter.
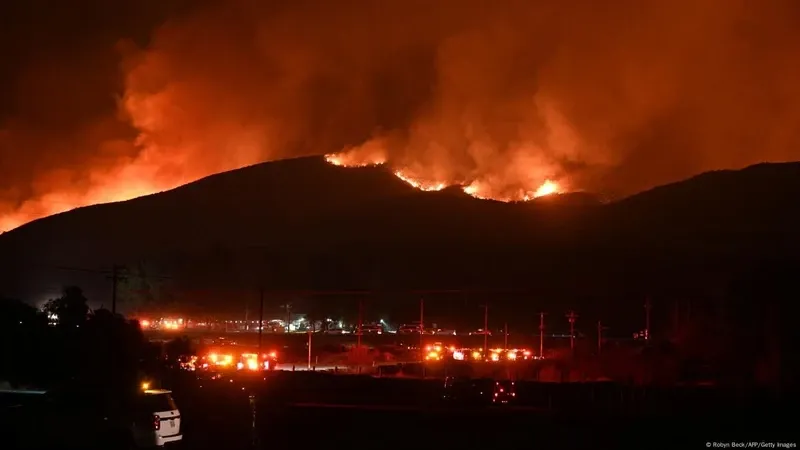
x: 80, y: 269
x: 110, y: 271
x: 132, y: 273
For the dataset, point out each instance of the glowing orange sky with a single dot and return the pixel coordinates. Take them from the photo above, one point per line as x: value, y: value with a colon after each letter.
x: 500, y: 96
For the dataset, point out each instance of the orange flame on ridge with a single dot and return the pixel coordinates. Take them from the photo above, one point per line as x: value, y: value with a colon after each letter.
x: 421, y: 185
x: 547, y: 188
x: 477, y: 188
x: 351, y: 160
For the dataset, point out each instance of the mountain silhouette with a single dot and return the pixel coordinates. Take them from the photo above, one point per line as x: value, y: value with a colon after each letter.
x: 305, y: 224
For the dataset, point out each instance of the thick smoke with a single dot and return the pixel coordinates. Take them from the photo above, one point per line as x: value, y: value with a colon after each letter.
x: 612, y: 96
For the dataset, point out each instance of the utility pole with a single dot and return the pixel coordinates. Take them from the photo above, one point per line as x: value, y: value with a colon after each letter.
x: 541, y: 335
x: 505, y: 340
x: 571, y: 316
x: 360, y: 319
x: 647, y: 307
x: 310, y: 333
x: 260, y: 317
x: 486, y: 328
x: 115, y: 278
x: 421, y: 327
x: 288, y: 317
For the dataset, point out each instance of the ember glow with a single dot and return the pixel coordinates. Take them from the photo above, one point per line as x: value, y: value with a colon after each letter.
x: 345, y: 160
x: 421, y: 185
x: 372, y: 153
x: 478, y: 188
x: 485, y: 191
x: 547, y: 188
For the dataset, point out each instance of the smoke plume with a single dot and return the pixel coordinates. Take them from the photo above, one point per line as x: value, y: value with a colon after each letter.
x: 613, y: 97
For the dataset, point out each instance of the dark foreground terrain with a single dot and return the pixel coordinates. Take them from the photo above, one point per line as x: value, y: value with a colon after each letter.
x: 321, y: 411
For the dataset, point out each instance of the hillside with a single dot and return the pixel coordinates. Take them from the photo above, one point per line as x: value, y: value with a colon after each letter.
x: 303, y: 223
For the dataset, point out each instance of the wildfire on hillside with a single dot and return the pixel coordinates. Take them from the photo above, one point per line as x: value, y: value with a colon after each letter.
x: 372, y: 153
x: 346, y: 160
x: 484, y: 191
x: 507, y: 100
x: 478, y: 188
x: 547, y: 188
x: 421, y: 185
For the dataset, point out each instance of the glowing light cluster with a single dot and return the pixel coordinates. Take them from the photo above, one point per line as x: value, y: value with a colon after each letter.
x: 478, y: 354
x: 162, y: 324
x: 245, y: 361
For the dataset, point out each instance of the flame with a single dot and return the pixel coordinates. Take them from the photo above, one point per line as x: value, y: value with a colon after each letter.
x: 353, y: 160
x: 523, y: 91
x: 547, y: 188
x: 485, y: 189
x: 371, y: 153
x: 421, y: 185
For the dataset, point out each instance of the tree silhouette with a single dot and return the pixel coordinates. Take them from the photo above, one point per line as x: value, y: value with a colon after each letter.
x: 97, y: 351
x: 15, y: 314
x: 116, y: 346
x: 71, y: 308
x: 23, y: 338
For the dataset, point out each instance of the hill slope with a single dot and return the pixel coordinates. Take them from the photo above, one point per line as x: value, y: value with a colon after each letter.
x: 305, y: 224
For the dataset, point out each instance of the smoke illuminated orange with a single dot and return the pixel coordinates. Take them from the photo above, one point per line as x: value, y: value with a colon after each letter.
x: 508, y: 100
x: 112, y: 190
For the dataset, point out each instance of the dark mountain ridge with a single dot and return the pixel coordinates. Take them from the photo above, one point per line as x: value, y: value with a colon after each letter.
x: 304, y: 224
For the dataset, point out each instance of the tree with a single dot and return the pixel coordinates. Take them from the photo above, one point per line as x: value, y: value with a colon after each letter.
x: 23, y: 338
x: 15, y: 314
x: 71, y: 309
x: 98, y: 352
x: 116, y: 345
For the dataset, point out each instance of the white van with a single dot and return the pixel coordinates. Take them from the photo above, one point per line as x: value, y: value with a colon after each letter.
x: 158, y: 421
